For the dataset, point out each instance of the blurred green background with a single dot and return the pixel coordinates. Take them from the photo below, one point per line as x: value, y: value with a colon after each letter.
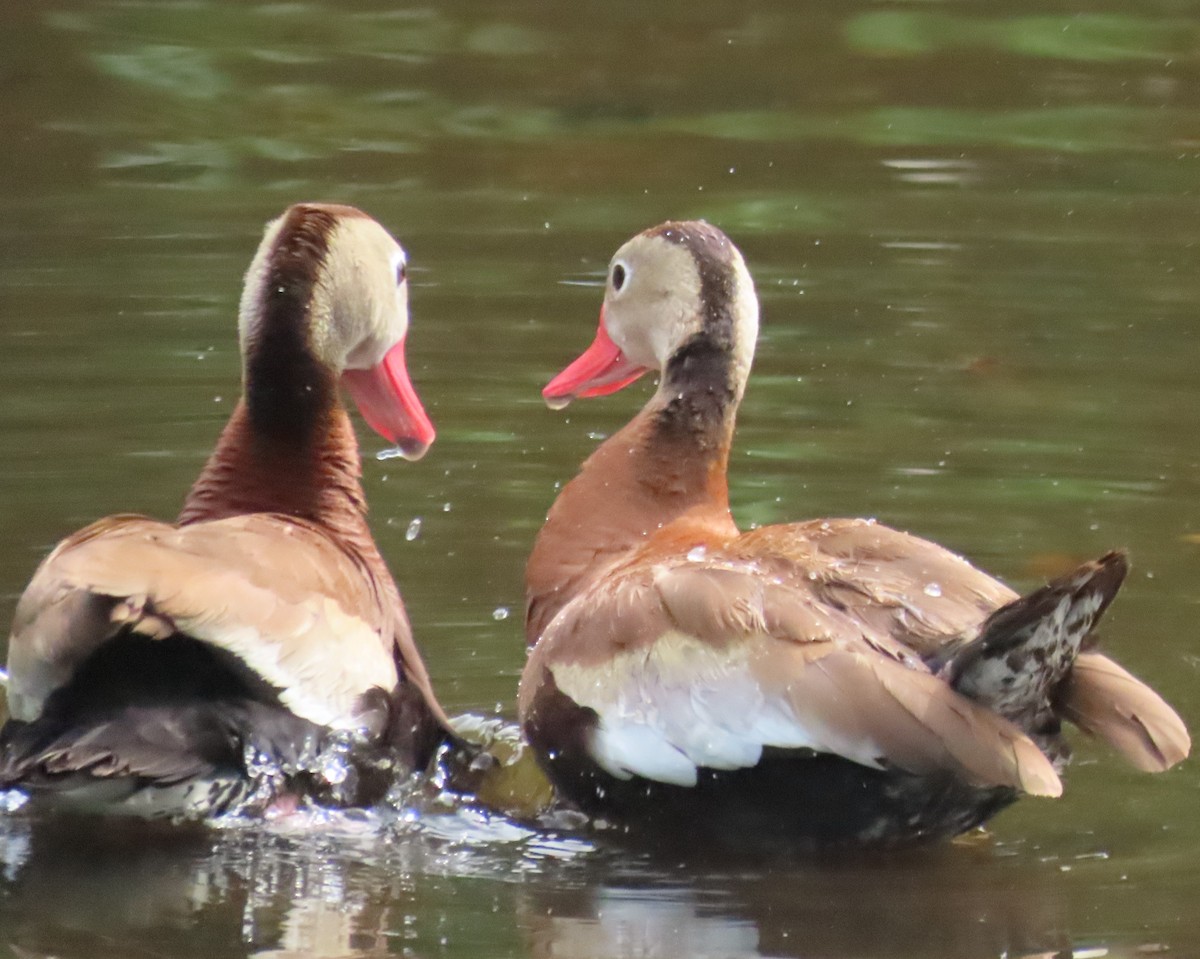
x: 973, y: 228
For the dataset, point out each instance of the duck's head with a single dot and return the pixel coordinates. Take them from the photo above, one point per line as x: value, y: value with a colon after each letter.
x: 673, y: 292
x: 328, y: 291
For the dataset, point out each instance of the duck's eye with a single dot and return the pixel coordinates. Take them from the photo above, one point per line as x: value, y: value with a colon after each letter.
x: 618, y: 277
x: 401, y: 272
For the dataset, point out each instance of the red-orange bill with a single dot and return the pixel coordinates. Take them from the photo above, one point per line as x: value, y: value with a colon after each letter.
x: 600, y: 370
x: 388, y: 402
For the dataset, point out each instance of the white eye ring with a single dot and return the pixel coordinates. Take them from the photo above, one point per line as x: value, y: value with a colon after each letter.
x: 618, y: 276
x: 400, y: 267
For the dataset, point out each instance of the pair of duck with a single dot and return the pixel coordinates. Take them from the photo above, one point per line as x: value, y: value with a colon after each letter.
x: 796, y: 682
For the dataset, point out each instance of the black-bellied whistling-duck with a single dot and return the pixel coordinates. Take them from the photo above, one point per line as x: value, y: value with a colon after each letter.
x: 819, y: 683
x: 257, y: 648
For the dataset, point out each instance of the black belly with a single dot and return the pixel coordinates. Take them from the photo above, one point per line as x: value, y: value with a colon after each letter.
x: 793, y: 800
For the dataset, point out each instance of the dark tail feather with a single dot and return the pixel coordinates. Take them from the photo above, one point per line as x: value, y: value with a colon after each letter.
x: 1025, y: 649
x: 190, y: 754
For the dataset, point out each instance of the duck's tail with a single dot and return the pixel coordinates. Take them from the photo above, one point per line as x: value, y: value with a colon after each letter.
x: 1025, y: 649
x: 1030, y: 665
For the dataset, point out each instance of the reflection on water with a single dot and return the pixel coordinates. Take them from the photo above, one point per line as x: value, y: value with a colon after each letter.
x: 324, y: 886
x: 974, y: 235
x: 964, y: 906
x: 366, y: 888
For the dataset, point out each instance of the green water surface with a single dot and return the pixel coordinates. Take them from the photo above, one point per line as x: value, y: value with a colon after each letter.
x: 973, y: 227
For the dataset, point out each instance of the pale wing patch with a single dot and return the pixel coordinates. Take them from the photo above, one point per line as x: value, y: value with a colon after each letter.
x: 681, y: 704
x: 634, y: 749
x: 319, y: 657
x: 721, y: 659
x: 214, y: 582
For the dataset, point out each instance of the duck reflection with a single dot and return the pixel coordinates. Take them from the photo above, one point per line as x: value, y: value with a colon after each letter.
x: 963, y: 902
x: 92, y: 887
x: 109, y: 887
x: 465, y: 887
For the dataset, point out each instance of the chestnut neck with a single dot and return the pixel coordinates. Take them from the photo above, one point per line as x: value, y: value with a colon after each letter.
x: 289, y: 446
x: 664, y: 473
x: 250, y: 472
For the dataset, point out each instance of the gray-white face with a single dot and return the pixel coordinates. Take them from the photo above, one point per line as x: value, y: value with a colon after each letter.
x: 365, y: 288
x: 651, y: 299
x: 357, y: 316
x: 654, y: 303
x: 359, y: 304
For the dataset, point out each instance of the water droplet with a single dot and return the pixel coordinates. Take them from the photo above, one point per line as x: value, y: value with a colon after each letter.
x: 392, y: 453
x: 500, y: 613
x: 697, y: 553
x: 414, y: 529
x: 933, y: 589
x: 445, y: 507
x: 334, y: 769
x: 557, y: 402
x: 10, y: 801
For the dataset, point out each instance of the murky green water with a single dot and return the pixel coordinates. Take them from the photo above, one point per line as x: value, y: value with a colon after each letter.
x: 974, y: 232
